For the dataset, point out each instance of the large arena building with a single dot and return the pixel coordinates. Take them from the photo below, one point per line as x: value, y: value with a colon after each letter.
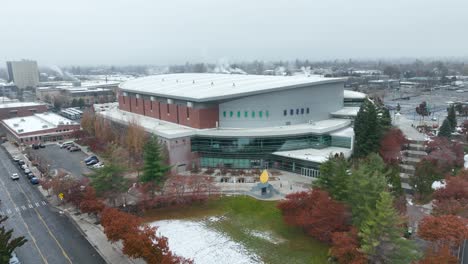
x: 242, y: 121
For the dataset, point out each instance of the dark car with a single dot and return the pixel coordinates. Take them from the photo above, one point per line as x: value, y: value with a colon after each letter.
x: 30, y: 175
x: 73, y: 149
x: 70, y: 146
x: 21, y: 162
x: 35, y: 146
x: 41, y: 145
x: 34, y: 180
x: 90, y: 158
x: 92, y: 162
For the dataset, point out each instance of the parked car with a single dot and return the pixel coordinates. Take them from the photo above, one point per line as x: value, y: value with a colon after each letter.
x: 41, y: 145
x: 65, y: 144
x: 21, y: 162
x: 74, y: 148
x: 98, y: 165
x: 14, y: 259
x: 30, y: 175
x: 26, y: 171
x: 70, y: 146
x: 14, y: 176
x: 16, y: 159
x: 24, y: 166
x: 90, y: 158
x: 92, y: 162
x: 34, y: 180
x: 35, y: 146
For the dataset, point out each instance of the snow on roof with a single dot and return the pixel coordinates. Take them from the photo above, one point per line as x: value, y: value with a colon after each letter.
x: 18, y: 104
x: 171, y: 130
x: 314, y: 155
x: 209, y: 86
x: 346, y: 111
x: 353, y: 95
x: 36, y: 122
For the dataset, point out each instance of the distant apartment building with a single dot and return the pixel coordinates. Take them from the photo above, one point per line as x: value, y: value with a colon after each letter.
x: 24, y: 74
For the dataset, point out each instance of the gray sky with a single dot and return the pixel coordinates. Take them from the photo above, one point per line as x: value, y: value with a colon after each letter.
x: 65, y: 32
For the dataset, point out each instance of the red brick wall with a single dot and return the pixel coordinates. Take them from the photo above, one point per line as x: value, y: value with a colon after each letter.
x: 21, y: 111
x: 198, y: 118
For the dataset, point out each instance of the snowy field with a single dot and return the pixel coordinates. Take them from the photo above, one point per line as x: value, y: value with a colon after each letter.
x: 193, y: 239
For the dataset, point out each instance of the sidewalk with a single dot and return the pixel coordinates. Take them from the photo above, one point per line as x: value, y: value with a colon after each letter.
x: 111, y: 253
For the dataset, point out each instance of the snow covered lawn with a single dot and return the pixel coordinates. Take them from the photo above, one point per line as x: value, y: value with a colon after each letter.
x: 193, y: 239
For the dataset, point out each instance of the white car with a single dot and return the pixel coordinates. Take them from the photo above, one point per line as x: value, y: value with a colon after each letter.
x: 98, y: 165
x: 14, y: 176
x: 14, y: 259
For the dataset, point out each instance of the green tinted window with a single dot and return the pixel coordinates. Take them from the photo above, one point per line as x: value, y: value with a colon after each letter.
x: 231, y: 114
x: 267, y: 113
x: 224, y: 113
x: 246, y: 114
x: 260, y: 114
x: 253, y: 114
x: 238, y: 114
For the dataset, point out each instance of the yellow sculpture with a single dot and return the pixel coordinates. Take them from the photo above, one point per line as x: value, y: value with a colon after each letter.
x: 264, y: 176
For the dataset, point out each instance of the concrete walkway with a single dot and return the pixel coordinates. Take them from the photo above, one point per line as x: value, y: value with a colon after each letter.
x: 405, y: 125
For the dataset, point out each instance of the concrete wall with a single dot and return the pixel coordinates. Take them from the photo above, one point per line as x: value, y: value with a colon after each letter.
x: 320, y: 99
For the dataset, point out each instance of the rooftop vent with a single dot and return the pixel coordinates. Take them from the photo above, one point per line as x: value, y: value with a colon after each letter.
x: 60, y: 123
x: 212, y: 83
x: 16, y: 125
x: 20, y: 130
x: 193, y: 81
x: 162, y: 80
x: 22, y: 120
x: 233, y: 84
x: 44, y: 126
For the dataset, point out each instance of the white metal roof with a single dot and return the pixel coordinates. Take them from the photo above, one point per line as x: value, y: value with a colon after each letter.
x: 314, y: 155
x: 201, y: 87
x: 353, y: 95
x: 36, y: 122
x: 346, y: 111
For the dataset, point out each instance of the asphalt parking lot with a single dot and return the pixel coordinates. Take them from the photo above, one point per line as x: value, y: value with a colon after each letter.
x: 63, y: 159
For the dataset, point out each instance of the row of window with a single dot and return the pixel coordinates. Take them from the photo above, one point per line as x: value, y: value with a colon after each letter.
x: 246, y: 114
x: 299, y: 111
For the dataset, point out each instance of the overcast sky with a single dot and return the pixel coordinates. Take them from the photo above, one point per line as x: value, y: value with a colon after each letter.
x: 86, y: 32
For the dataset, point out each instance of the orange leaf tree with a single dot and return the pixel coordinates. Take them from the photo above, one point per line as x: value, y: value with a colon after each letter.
x: 445, y: 230
x: 345, y: 248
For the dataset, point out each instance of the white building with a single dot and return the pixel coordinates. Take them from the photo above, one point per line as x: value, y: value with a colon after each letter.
x: 23, y: 73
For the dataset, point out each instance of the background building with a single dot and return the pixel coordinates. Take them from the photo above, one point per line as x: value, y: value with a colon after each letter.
x: 240, y: 121
x: 23, y: 73
x: 20, y: 109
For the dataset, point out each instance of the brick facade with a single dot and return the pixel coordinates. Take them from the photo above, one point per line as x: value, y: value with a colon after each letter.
x: 61, y: 132
x: 21, y: 111
x: 174, y: 113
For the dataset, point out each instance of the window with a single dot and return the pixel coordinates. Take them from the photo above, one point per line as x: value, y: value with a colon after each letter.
x: 167, y: 108
x: 260, y: 114
x: 291, y: 112
x: 231, y: 114
x: 302, y: 111
x: 297, y: 111
x: 238, y: 114
x: 246, y: 114
x: 187, y: 112
x: 224, y: 113
x: 285, y: 112
x: 267, y: 113
x: 253, y: 114
x: 307, y: 110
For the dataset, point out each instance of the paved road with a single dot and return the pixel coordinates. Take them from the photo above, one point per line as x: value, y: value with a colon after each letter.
x: 52, y: 238
x: 63, y: 159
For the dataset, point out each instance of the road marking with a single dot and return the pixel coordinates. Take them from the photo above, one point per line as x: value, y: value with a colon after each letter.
x: 8, y: 211
x: 30, y: 206
x: 17, y: 209
x: 37, y: 205
x: 44, y: 203
x: 23, y: 207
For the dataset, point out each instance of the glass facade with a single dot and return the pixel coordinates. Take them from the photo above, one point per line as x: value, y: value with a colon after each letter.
x: 248, y: 152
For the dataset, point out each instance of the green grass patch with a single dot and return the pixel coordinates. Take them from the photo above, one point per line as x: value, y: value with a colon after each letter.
x: 243, y: 217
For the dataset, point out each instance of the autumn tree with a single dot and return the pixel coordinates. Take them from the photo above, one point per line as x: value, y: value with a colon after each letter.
x: 453, y: 197
x: 445, y: 154
x: 444, y: 230
x: 425, y: 174
x: 423, y: 109
x: 381, y: 235
x: 117, y: 224
x: 345, y: 248
x: 90, y: 203
x: 87, y: 122
x: 154, y: 167
x: 441, y: 255
x: 135, y: 139
x: 316, y: 212
x: 7, y: 243
x: 391, y: 145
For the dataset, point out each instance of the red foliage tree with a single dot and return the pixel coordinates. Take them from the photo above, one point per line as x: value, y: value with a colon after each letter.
x: 118, y: 224
x: 445, y: 230
x: 345, y: 248
x: 445, y: 153
x: 440, y: 256
x: 453, y: 198
x: 90, y: 203
x: 391, y: 144
x: 316, y: 212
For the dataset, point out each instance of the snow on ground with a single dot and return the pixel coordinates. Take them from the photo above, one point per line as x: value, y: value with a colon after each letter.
x: 193, y: 239
x: 266, y: 236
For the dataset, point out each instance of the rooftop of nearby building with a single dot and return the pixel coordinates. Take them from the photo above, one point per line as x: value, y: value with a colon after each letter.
x: 346, y: 111
x: 18, y: 104
x: 171, y: 130
x: 4, y: 100
x: 314, y: 155
x: 348, y: 94
x: 201, y: 87
x: 36, y: 123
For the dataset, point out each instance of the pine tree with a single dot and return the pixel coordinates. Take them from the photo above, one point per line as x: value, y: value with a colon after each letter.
x: 367, y: 129
x: 381, y: 235
x: 386, y: 119
x: 109, y: 181
x: 333, y: 177
x: 452, y: 118
x: 154, y: 167
x: 446, y: 129
x: 7, y: 244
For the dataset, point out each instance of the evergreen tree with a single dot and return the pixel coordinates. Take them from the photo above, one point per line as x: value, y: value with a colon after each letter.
x: 109, y: 180
x: 367, y: 130
x: 74, y: 102
x: 452, y: 118
x: 154, y: 167
x: 381, y: 235
x: 7, y: 244
x: 81, y: 103
x: 446, y: 129
x: 386, y: 119
x: 333, y: 177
